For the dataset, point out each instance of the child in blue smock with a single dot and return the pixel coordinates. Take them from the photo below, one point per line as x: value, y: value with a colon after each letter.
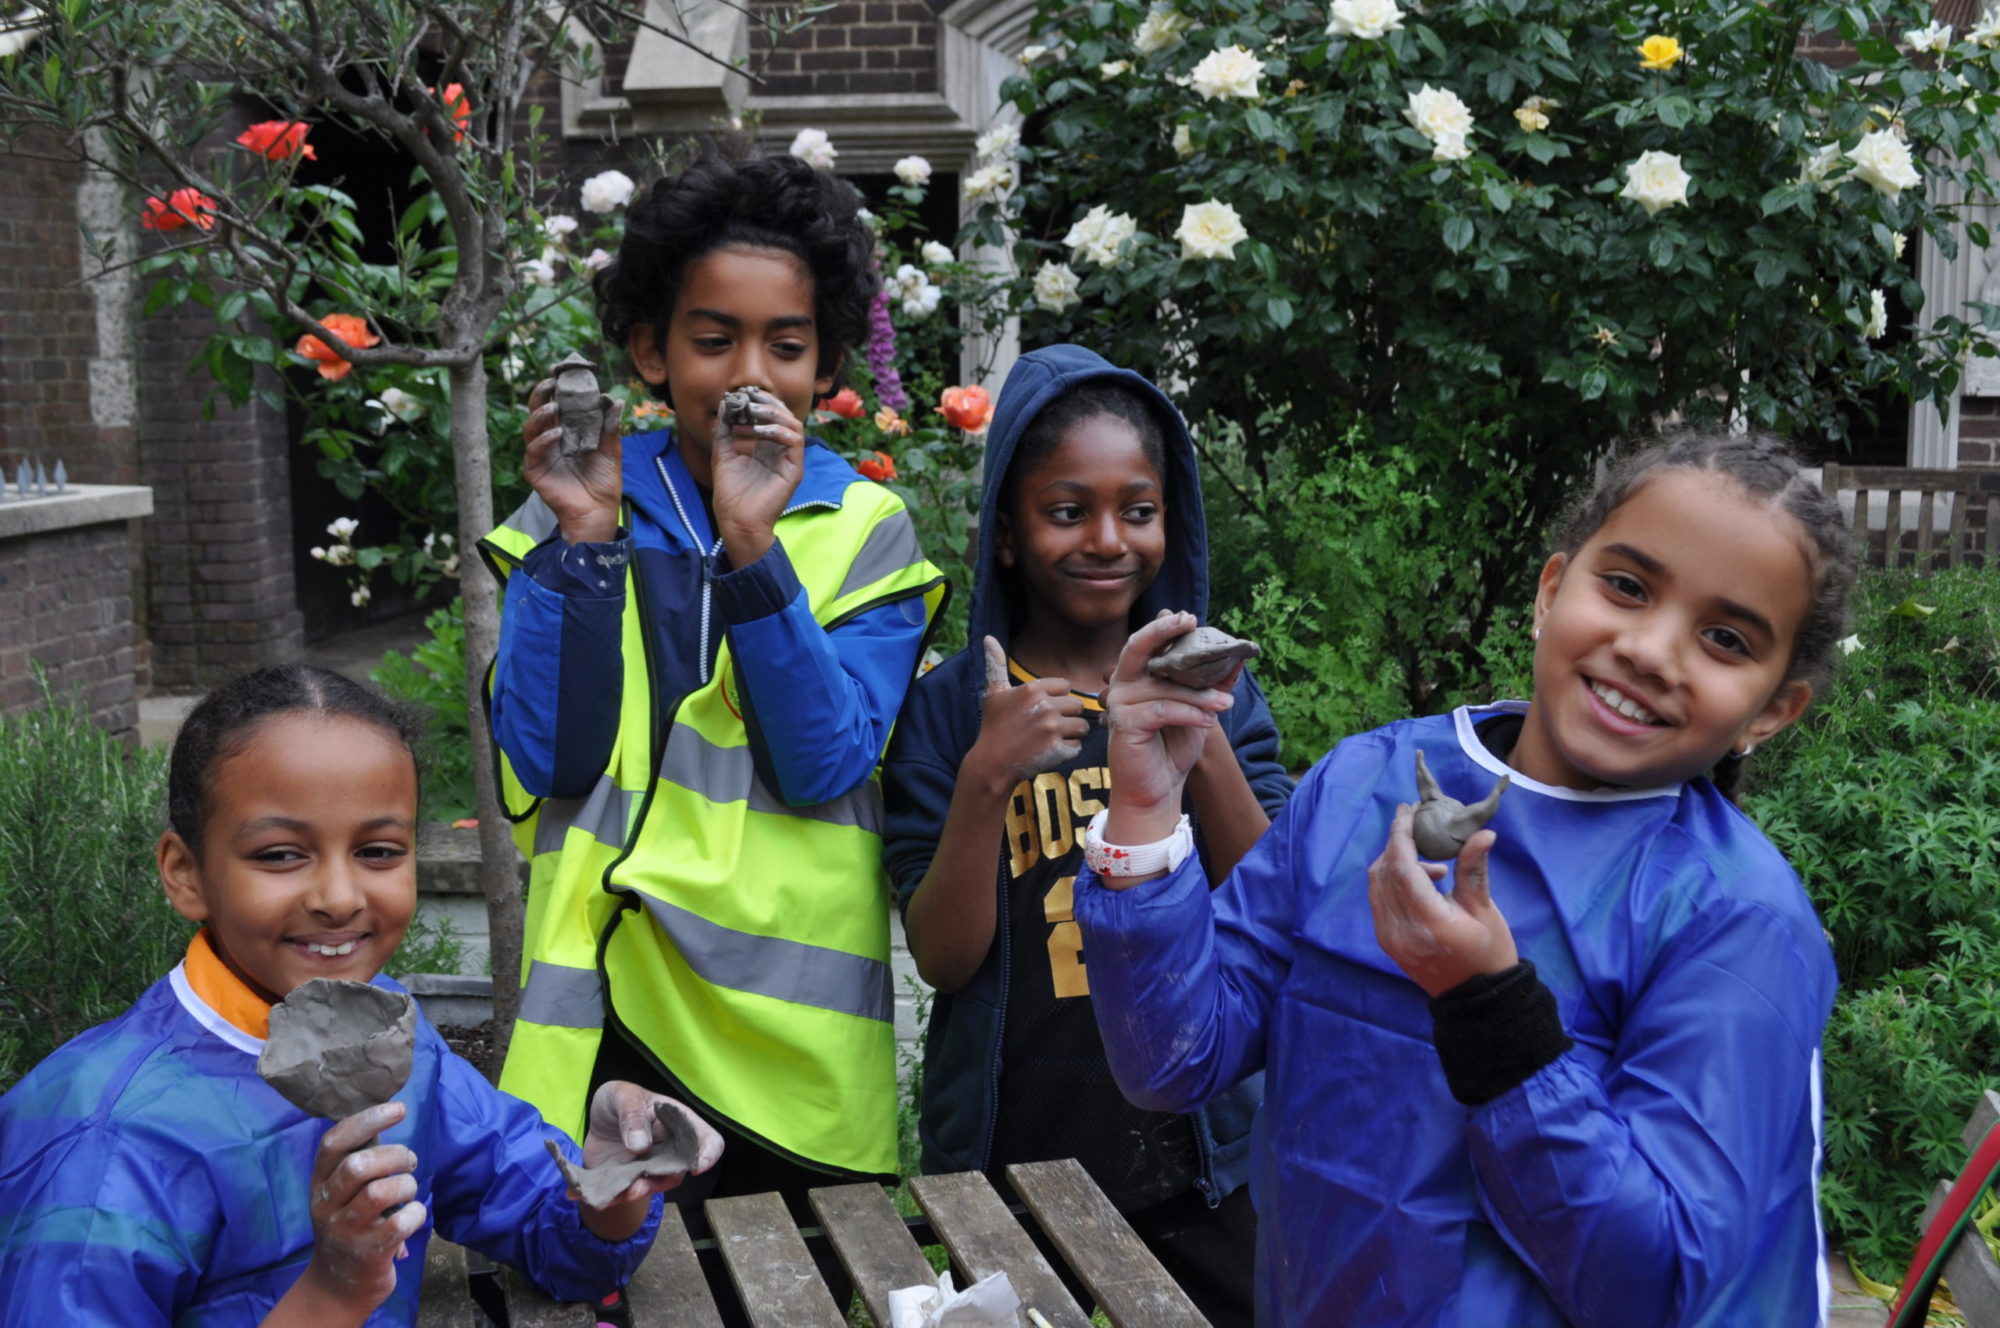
x: 149, y: 1176
x: 1580, y: 1084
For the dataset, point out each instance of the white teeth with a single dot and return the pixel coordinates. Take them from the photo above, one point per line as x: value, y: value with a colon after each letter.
x: 1624, y: 704
x: 346, y: 947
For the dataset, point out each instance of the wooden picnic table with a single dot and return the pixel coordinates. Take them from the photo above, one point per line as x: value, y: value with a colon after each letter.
x: 771, y: 1275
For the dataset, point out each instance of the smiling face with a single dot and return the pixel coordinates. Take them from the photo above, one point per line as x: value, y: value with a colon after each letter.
x: 307, y: 866
x: 1664, y: 641
x: 744, y: 317
x: 1086, y: 529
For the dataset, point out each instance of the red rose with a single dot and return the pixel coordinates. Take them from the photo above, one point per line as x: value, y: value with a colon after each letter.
x: 881, y: 467
x: 183, y: 207
x: 350, y: 329
x: 967, y: 408
x: 278, y: 140
x: 845, y: 403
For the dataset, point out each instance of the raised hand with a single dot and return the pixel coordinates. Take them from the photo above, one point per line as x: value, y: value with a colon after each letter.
x: 622, y: 1125
x: 583, y: 490
x: 1158, y: 730
x: 1025, y: 730
x: 355, y: 1184
x: 756, y: 470
x: 1439, y: 940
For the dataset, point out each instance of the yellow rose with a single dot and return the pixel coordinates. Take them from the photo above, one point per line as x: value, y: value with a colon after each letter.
x: 1657, y: 52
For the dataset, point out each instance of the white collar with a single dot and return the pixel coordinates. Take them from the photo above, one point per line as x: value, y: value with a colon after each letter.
x: 1468, y: 740
x: 207, y: 1017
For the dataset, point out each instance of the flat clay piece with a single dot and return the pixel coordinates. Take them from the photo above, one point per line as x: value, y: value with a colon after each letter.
x: 579, y: 405
x: 676, y: 1153
x: 1442, y: 825
x: 337, y: 1047
x: 1201, y: 658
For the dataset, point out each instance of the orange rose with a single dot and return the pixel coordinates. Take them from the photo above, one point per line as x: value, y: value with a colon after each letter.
x: 278, y: 140
x: 183, y: 207
x: 881, y: 467
x: 889, y: 422
x: 350, y: 329
x: 457, y: 106
x: 967, y: 408
x: 845, y: 403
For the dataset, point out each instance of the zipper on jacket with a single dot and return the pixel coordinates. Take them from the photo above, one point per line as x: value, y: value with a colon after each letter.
x: 1005, y: 926
x: 708, y: 561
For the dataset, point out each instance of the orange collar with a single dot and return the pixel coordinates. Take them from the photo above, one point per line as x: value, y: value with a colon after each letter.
x: 222, y: 991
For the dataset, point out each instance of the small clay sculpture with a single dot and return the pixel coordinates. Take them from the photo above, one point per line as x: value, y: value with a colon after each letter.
x: 1442, y: 824
x: 736, y: 404
x: 337, y: 1047
x: 677, y: 1152
x: 1201, y: 658
x: 579, y: 405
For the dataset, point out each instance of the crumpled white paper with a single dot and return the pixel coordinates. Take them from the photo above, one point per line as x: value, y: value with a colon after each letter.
x: 988, y: 1303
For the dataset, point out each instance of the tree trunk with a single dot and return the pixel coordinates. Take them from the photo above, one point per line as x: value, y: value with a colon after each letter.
x: 499, y: 873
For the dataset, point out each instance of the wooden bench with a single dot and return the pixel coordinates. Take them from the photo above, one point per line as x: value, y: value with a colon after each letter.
x: 1956, y: 521
x: 1971, y: 1273
x: 759, y: 1260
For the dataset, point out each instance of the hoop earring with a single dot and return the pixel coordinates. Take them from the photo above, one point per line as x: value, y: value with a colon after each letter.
x: 1535, y: 635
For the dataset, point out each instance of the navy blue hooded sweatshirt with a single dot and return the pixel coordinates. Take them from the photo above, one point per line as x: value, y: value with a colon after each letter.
x: 938, y: 726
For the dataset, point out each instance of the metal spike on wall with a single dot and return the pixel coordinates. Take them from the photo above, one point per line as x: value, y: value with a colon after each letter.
x: 61, y: 477
x: 41, y: 480
x: 21, y: 478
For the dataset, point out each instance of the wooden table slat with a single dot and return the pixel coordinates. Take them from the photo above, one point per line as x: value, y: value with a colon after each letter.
x: 774, y: 1274
x: 985, y: 1238
x: 527, y: 1307
x: 873, y: 1244
x: 1100, y: 1247
x: 669, y: 1290
x: 445, y: 1300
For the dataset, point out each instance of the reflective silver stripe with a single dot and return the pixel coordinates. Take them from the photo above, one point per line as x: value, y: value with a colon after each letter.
x: 534, y: 518
x: 729, y: 774
x: 783, y: 970
x: 558, y: 996
x: 604, y: 814
x: 890, y: 547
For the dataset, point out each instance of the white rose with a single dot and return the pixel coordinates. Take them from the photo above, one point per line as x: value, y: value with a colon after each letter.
x: 403, y: 405
x: 558, y: 226
x: 1655, y: 181
x: 1438, y: 113
x: 1230, y: 72
x: 1030, y: 54
x: 607, y: 192
x: 935, y: 253
x: 998, y: 142
x: 815, y: 149
x: 865, y: 217
x: 1450, y: 147
x: 1897, y: 242
x: 1210, y: 230
x: 343, y: 528
x: 989, y: 182
x: 913, y: 287
x: 1113, y: 68
x: 1883, y: 161
x: 1987, y: 31
x: 539, y: 272
x: 317, y: 552
x: 1162, y: 29
x: 596, y: 261
x: 1932, y: 37
x: 1100, y: 235
x: 914, y: 171
x: 1055, y: 287
x: 1183, y: 141
x: 1824, y: 167
x: 359, y: 597
x: 1876, y: 321
x: 1363, y: 20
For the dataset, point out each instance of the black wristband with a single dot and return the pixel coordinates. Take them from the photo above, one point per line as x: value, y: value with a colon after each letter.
x: 1494, y: 1031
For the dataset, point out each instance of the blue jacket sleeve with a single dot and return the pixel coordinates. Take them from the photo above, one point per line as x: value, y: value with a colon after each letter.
x: 1254, y: 735
x: 919, y: 774
x: 559, y: 672
x: 818, y: 701
x: 498, y: 1191
x: 1637, y: 1191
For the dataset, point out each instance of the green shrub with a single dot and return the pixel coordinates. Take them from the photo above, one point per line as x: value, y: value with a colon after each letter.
x: 432, y: 677
x: 1886, y: 798
x: 84, y: 927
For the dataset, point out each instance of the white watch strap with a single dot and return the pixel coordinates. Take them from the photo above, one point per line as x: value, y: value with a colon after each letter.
x: 1121, y: 860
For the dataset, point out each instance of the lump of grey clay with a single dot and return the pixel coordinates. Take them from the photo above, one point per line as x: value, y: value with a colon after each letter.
x: 337, y: 1047
x: 736, y: 404
x: 579, y: 405
x: 1201, y: 658
x: 1442, y: 824
x: 676, y: 1153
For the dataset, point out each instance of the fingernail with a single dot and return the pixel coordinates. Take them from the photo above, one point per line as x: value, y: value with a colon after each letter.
x: 635, y: 1140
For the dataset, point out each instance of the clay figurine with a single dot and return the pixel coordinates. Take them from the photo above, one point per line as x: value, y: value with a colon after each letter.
x: 337, y: 1047
x: 600, y: 1184
x: 1442, y: 824
x: 579, y: 405
x: 736, y: 404
x: 1201, y: 658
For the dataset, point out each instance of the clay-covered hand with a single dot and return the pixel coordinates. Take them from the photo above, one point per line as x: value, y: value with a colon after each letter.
x: 756, y: 468
x: 625, y: 1124
x: 355, y: 1184
x: 1025, y: 730
x: 1158, y: 729
x: 1439, y: 940
x: 583, y: 490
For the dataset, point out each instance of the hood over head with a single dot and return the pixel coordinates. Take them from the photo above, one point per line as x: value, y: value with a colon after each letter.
x: 1035, y: 381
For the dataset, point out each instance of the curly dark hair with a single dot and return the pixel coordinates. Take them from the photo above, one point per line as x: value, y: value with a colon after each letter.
x: 1769, y: 472
x: 731, y: 196
x: 225, y: 720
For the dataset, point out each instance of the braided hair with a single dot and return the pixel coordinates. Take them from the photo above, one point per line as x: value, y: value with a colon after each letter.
x: 1768, y: 471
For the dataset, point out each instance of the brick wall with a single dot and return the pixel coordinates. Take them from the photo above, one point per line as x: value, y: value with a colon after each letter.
x: 66, y: 597
x: 1979, y: 431
x: 868, y: 46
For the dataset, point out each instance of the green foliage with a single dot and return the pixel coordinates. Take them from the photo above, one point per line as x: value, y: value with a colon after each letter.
x: 431, y: 945
x: 84, y: 927
x: 432, y: 676
x: 1886, y: 798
